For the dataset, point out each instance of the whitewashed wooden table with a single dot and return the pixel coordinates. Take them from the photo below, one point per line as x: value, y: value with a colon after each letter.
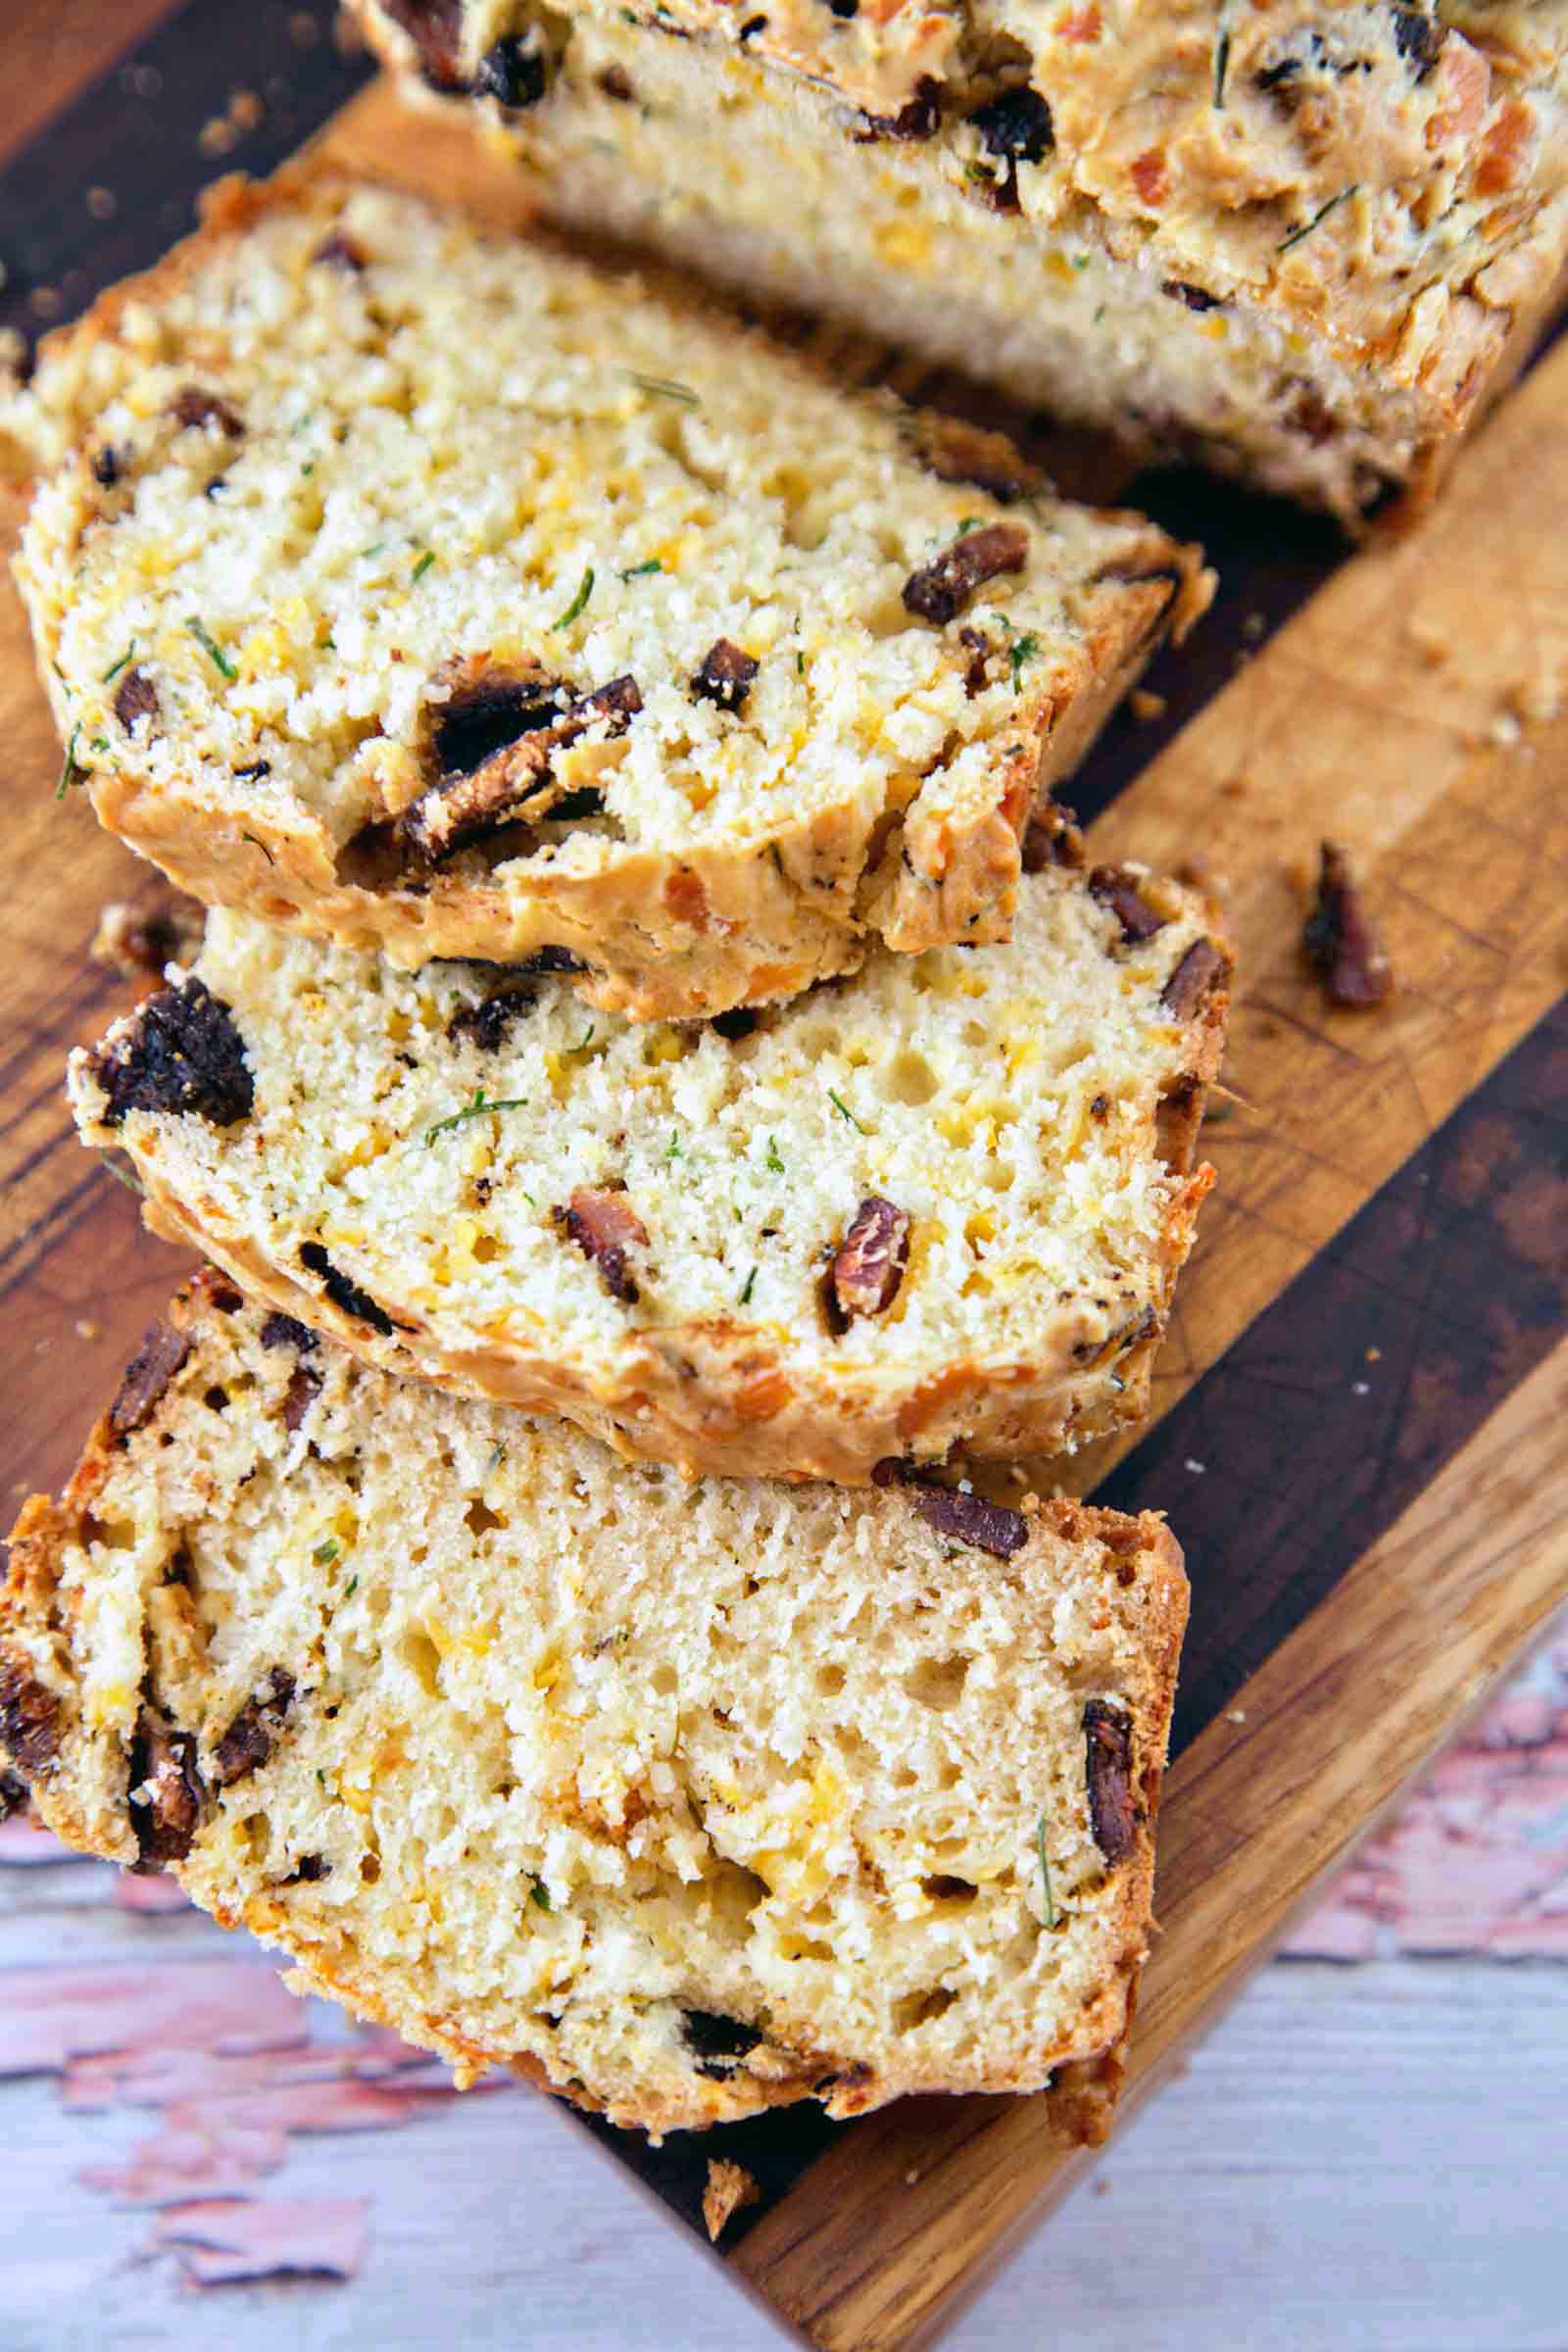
x: 1371, y: 2151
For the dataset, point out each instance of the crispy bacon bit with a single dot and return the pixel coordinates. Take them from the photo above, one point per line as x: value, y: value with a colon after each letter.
x: 1341, y: 942
x: 979, y: 647
x: 1200, y: 971
x: 956, y: 450
x: 869, y: 1264
x: 345, y: 1293
x: 148, y: 1374
x: 1113, y: 1812
x: 603, y: 1223
x: 105, y: 466
x: 136, y: 698
x: 340, y: 251
x: 724, y: 675
x: 29, y: 1718
x: 545, y: 960
x: 513, y: 72
x: 1051, y: 837
x: 1417, y: 36
x: 486, y: 1023
x: 435, y: 28
x: 182, y: 1054
x: 215, y: 1290
x: 166, y: 1793
x: 140, y: 942
x: 15, y: 1795
x: 1016, y: 126
x: 718, y: 2043
x: 617, y: 83
x: 1119, y: 890
x: 311, y: 1870
x: 939, y: 590
x: 736, y: 1024
x: 304, y: 1388
x: 495, y: 747
x: 195, y: 407
x: 286, y: 1331
x: 968, y: 1518
x: 921, y: 119
x: 248, y: 1741
x: 1193, y: 297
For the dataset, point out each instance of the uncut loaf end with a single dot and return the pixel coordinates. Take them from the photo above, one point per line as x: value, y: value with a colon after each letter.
x: 1307, y: 242
x: 684, y: 1801
x: 435, y: 590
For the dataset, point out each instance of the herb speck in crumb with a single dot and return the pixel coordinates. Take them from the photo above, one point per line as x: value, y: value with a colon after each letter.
x: 260, y: 844
x: 70, y: 773
x: 541, y: 1894
x: 1320, y: 215
x: 845, y: 1112
x: 773, y: 1164
x: 1021, y: 649
x: 115, y: 668
x: 423, y: 566
x: 498, y: 1454
x: 585, y: 589
x: 640, y: 570
x: 1222, y: 54
x: 674, y: 1150
x: 327, y: 1551
x: 745, y: 1294
x: 213, y: 651
x: 351, y: 1588
x: 478, y: 1108
x: 665, y: 389
x: 1044, y: 1872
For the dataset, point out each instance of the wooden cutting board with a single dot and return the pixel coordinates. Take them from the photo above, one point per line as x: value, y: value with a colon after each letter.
x: 1362, y: 1431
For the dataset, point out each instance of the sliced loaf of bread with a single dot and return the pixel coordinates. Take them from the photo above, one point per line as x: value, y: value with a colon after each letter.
x: 423, y: 588
x: 944, y: 1201
x: 683, y: 1800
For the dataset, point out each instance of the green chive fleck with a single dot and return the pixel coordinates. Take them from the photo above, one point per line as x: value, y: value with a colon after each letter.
x: 1044, y: 1871
x: 773, y: 1164
x: 672, y: 1149
x: 845, y: 1112
x: 666, y: 388
x: 111, y: 1167
x: 1020, y: 650
x: 213, y: 651
x: 584, y: 1041
x: 1322, y: 214
x: 262, y: 846
x: 110, y: 675
x: 423, y: 565
x: 745, y: 1294
x: 638, y: 570
x: 541, y: 1894
x: 478, y: 1108
x: 1222, y: 61
x: 69, y: 772
x: 498, y: 1454
x: 969, y: 523
x: 584, y: 592
x: 351, y: 1588
x: 327, y: 1551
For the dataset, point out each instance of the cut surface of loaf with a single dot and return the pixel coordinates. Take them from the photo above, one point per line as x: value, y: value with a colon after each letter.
x: 683, y: 1800
x: 943, y: 1203
x: 1305, y: 242
x: 438, y: 590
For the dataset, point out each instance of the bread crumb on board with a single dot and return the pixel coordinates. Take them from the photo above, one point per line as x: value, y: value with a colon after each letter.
x: 730, y: 2186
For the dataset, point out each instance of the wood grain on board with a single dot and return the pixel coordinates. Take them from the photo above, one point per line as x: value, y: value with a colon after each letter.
x: 1409, y: 708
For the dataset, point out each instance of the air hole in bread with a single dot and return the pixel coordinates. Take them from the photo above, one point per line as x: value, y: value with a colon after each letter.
x: 938, y: 1683
x: 909, y: 1078
x: 423, y: 1659
x: 921, y: 2008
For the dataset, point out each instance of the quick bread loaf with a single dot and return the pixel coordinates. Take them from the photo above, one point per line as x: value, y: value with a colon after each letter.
x: 684, y: 1801
x: 943, y: 1203
x: 1305, y: 242
x: 434, y: 591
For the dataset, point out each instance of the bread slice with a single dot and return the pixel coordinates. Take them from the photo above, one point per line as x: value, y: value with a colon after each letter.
x: 1308, y: 243
x: 944, y: 1201
x: 435, y: 590
x: 683, y: 1800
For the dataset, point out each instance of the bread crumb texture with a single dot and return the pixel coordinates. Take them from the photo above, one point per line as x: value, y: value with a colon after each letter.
x: 684, y: 1799
x: 433, y: 590
x: 944, y: 1201
x: 1302, y: 239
